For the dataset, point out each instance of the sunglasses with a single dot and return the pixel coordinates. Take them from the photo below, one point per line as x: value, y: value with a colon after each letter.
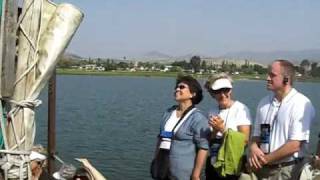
x: 181, y: 86
x: 40, y: 163
x: 219, y: 91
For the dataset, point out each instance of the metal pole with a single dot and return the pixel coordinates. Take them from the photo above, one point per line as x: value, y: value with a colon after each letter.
x: 51, y: 123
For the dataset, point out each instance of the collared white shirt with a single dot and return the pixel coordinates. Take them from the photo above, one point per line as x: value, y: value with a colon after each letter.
x: 289, y: 120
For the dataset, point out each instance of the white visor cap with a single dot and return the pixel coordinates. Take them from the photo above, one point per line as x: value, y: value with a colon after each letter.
x: 221, y: 83
x: 37, y: 156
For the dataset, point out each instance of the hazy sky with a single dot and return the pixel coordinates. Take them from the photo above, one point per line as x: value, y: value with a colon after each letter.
x: 129, y: 28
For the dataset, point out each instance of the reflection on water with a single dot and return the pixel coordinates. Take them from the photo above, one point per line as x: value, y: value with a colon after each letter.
x: 113, y: 121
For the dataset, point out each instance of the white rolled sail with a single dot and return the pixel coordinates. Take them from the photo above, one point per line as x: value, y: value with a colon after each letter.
x: 45, y: 30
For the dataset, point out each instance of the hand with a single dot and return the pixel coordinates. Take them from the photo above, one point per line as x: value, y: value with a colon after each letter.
x: 265, y: 160
x: 217, y: 123
x: 84, y: 161
x: 256, y: 157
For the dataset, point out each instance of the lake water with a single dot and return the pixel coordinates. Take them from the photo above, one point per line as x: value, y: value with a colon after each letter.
x: 113, y: 121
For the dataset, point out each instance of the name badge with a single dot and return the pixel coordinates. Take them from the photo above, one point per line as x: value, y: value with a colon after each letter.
x: 166, y: 137
x: 265, y: 138
x: 166, y: 134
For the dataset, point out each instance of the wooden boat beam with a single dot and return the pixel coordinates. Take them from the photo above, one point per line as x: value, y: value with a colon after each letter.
x: 8, y: 46
x: 51, y: 123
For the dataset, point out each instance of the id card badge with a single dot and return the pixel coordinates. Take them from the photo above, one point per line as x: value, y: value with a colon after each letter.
x: 265, y: 138
x: 166, y: 137
x: 166, y: 134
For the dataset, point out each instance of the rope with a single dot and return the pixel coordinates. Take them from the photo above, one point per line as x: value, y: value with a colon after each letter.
x: 27, y: 103
x: 58, y: 158
x: 23, y: 14
x: 16, y: 163
x: 16, y: 166
x: 31, y: 104
x: 34, y: 45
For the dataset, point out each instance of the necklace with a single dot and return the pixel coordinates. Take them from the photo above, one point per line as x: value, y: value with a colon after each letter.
x: 226, y: 117
x: 226, y: 120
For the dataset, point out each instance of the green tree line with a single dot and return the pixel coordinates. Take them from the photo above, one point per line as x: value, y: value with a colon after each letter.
x: 306, y: 67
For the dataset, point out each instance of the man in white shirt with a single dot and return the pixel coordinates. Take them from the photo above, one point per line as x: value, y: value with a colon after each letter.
x: 282, y: 126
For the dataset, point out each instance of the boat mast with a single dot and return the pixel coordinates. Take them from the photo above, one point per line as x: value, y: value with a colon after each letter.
x: 52, y: 123
x: 8, y: 38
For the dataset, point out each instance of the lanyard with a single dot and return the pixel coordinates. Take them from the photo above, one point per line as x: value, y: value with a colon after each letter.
x: 182, y: 116
x: 225, y: 123
x: 169, y: 134
x: 275, y: 118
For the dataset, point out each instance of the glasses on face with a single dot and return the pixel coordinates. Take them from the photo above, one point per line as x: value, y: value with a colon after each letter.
x: 219, y: 91
x: 40, y: 163
x: 181, y: 86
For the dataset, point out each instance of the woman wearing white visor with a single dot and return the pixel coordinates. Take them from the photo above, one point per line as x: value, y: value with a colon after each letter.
x: 227, y: 114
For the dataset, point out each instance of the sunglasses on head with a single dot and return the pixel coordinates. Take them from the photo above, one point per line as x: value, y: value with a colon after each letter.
x: 181, y: 86
x: 222, y: 90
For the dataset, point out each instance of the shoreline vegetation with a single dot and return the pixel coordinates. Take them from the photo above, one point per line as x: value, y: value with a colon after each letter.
x: 168, y: 74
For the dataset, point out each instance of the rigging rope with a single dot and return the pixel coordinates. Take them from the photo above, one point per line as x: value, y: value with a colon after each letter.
x: 16, y: 162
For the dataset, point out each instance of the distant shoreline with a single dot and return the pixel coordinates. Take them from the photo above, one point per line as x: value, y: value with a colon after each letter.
x: 165, y: 74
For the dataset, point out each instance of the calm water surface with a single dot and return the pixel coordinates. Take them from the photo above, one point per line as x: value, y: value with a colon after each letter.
x: 113, y: 121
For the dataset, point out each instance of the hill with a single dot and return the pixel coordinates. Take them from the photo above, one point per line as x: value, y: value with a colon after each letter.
x: 263, y: 58
x: 267, y: 57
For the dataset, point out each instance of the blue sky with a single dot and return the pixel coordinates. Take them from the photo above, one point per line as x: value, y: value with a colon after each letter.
x: 132, y: 28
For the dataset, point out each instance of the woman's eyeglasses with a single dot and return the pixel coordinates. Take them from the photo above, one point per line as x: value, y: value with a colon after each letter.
x: 181, y: 86
x: 219, y: 91
x: 40, y: 163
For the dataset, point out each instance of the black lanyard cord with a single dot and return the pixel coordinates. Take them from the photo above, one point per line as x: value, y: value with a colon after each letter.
x: 275, y: 118
x: 182, y: 116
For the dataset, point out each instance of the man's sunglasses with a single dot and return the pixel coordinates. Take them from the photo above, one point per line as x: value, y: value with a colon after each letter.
x: 219, y: 91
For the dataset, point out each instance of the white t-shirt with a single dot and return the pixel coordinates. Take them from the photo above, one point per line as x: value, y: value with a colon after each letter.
x: 289, y: 120
x: 172, y: 121
x: 238, y: 114
x: 170, y: 124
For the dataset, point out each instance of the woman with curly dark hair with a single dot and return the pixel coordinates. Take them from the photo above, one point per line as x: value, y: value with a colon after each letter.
x: 182, y: 142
